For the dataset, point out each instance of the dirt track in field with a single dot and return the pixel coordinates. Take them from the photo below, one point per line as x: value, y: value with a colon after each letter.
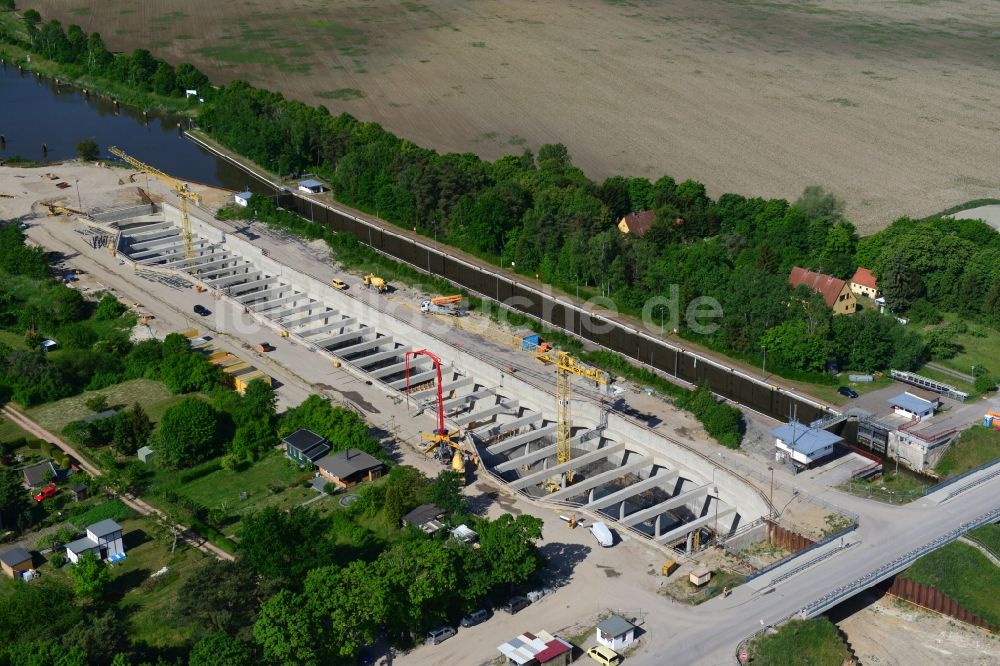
x: 892, y: 105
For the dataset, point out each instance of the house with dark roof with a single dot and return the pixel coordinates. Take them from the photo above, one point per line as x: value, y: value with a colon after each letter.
x: 349, y: 467
x: 637, y: 223
x: 305, y: 447
x: 15, y: 561
x: 103, y: 539
x: 425, y: 518
x: 615, y: 632
x: 39, y: 474
x: 835, y: 292
x: 863, y: 283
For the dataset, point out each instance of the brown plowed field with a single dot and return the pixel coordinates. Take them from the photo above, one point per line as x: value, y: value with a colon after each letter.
x: 892, y: 105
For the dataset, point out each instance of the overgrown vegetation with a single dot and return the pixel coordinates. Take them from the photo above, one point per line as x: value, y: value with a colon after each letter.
x: 964, y: 574
x: 974, y: 447
x: 814, y: 642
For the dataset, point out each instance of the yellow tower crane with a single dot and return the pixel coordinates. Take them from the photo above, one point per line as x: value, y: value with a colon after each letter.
x: 181, y: 189
x: 566, y: 367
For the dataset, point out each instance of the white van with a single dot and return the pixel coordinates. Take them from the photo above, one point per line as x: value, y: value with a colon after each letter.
x: 602, y: 534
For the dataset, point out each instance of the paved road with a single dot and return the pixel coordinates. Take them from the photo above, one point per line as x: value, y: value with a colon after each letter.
x: 708, y: 634
x: 135, y: 503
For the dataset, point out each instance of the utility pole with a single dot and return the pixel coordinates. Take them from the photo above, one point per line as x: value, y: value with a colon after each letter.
x: 79, y: 204
x: 763, y: 365
x: 771, y: 496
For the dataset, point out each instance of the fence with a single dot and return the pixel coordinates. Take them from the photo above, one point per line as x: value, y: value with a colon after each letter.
x: 932, y: 599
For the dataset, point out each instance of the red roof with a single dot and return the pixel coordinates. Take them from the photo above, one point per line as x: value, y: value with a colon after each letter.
x: 552, y: 650
x: 827, y: 285
x: 639, y: 222
x: 864, y: 277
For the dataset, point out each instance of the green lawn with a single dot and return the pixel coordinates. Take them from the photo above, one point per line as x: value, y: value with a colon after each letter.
x: 975, y: 446
x: 10, y: 431
x: 814, y: 642
x: 988, y: 536
x: 152, y: 395
x: 965, y: 575
x: 979, y: 351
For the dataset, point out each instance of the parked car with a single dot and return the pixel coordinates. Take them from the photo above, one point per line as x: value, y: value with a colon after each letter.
x: 442, y: 633
x: 604, y: 655
x: 847, y: 391
x: 338, y: 284
x: 535, y: 595
x: 202, y: 311
x: 516, y: 604
x: 47, y: 492
x: 477, y: 616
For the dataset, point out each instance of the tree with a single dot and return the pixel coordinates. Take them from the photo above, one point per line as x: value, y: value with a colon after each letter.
x: 109, y: 307
x: 284, y: 546
x: 97, y: 403
x: 445, y: 491
x: 985, y: 381
x: 816, y: 202
x: 15, y: 504
x: 220, y: 649
x: 188, y: 433
x: 354, y: 601
x: 900, y: 284
x: 507, y: 544
x: 259, y: 403
x: 287, y: 633
x: 32, y: 18
x: 7, y: 5
x: 100, y: 635
x: 88, y: 150
x: 132, y: 430
x: 90, y: 577
x: 222, y: 596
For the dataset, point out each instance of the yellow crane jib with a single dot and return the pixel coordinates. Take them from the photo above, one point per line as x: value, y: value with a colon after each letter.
x: 566, y: 368
x: 181, y: 189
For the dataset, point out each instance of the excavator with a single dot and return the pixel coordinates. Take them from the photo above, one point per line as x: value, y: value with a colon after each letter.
x: 55, y: 209
x: 372, y: 280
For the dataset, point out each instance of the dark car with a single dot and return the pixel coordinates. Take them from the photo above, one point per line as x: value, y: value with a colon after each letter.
x: 516, y: 604
x: 847, y: 391
x: 202, y: 311
x: 477, y: 616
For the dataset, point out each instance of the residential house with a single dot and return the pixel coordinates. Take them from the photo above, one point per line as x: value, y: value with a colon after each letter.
x: 864, y: 284
x: 914, y: 405
x: 311, y: 186
x: 243, y: 198
x: 103, y: 539
x: 305, y: 447
x: 801, y: 444
x: 538, y: 648
x: 425, y: 517
x: 615, y: 632
x: 836, y: 293
x: 349, y: 467
x: 637, y: 223
x: 15, y: 561
x: 39, y: 474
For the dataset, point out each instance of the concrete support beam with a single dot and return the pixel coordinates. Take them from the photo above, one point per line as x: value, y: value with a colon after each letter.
x: 267, y: 305
x: 665, y: 479
x: 520, y: 440
x: 331, y: 344
x: 147, y: 234
x: 574, y: 464
x: 362, y: 347
x: 254, y: 286
x: 685, y: 529
x: 212, y: 268
x: 323, y: 312
x: 281, y: 315
x: 530, y: 458
x: 149, y: 228
x: 260, y: 297
x: 159, y: 252
x: 390, y: 370
x: 505, y: 407
x: 493, y: 429
x: 415, y: 378
x: 374, y: 359
x: 179, y: 264
x: 241, y: 274
x: 446, y: 389
x: 664, y: 506
x: 172, y: 240
x: 600, y: 479
x: 469, y: 397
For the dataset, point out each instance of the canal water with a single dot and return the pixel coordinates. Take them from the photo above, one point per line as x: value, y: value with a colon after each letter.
x: 35, y: 110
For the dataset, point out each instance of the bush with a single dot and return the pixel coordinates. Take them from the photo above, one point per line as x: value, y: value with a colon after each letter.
x: 201, y: 470
x: 97, y: 403
x: 57, y: 560
x: 985, y: 382
x: 112, y: 509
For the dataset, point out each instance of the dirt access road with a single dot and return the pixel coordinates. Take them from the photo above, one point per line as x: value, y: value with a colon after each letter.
x: 135, y: 503
x: 889, y: 104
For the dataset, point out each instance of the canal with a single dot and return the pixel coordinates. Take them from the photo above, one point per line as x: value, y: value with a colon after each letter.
x: 35, y: 110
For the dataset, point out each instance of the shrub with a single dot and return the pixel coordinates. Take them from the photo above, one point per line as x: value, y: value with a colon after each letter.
x: 57, y: 560
x: 112, y: 509
x: 97, y: 403
x: 985, y: 382
x: 201, y: 470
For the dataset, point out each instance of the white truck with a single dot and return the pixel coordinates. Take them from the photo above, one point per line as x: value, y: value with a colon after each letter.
x: 432, y: 308
x: 602, y: 534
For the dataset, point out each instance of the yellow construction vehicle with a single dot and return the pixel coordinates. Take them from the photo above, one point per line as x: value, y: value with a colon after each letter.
x: 55, y: 209
x: 566, y: 367
x: 380, y: 285
x: 183, y: 192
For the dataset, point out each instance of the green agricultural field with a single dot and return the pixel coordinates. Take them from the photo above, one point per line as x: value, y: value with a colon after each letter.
x: 798, y: 642
x: 975, y: 446
x: 965, y: 575
x: 152, y: 395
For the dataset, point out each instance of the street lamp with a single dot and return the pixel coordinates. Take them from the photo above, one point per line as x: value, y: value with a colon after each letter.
x: 763, y: 365
x: 771, y: 497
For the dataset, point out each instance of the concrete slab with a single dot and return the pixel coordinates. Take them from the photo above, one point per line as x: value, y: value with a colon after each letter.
x: 665, y: 479
x: 600, y: 479
x: 574, y: 464
x: 521, y: 440
x: 674, y: 502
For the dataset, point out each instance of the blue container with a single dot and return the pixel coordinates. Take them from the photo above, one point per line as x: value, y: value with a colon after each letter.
x: 987, y: 421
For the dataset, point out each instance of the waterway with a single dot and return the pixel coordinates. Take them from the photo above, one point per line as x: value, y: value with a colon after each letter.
x: 35, y: 110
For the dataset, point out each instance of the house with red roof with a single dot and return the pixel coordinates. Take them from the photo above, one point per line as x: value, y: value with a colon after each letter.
x: 637, y: 223
x: 864, y: 284
x: 836, y: 293
x: 537, y: 649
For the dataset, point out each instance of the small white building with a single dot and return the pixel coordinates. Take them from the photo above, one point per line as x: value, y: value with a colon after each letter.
x: 243, y: 198
x: 863, y: 283
x: 912, y: 406
x: 104, y: 540
x: 801, y: 444
x: 49, y: 344
x: 616, y: 633
x: 311, y: 186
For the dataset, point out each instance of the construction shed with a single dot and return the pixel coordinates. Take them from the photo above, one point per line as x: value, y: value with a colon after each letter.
x: 15, y: 561
x: 538, y: 648
x: 615, y: 632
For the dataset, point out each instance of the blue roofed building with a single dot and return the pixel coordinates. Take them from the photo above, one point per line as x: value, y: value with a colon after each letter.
x: 798, y: 443
x: 910, y: 405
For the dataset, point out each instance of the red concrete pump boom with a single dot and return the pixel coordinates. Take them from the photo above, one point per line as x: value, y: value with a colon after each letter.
x: 441, y: 430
